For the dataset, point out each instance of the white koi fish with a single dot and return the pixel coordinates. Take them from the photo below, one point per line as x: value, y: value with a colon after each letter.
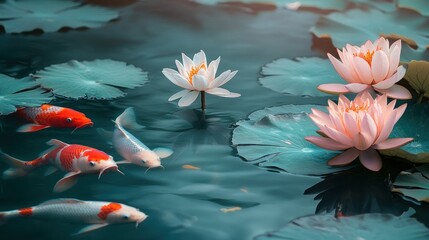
x: 98, y: 214
x: 72, y: 158
x: 132, y: 149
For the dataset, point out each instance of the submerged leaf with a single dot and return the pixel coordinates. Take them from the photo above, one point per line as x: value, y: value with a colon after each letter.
x: 51, y: 15
x: 420, y: 6
x: 274, y: 138
x: 418, y: 77
x: 355, y: 27
x: 413, y: 123
x: 365, y: 226
x: 299, y: 77
x: 414, y: 185
x: 20, y: 93
x: 96, y: 79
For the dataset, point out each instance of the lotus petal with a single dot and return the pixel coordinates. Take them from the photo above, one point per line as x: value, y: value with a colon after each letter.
x: 96, y: 79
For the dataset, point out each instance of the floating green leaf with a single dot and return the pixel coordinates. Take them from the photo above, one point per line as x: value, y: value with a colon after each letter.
x: 96, y: 79
x: 326, y: 4
x: 412, y: 124
x: 300, y: 76
x: 365, y: 226
x: 51, y: 15
x: 20, y: 93
x: 274, y: 138
x: 418, y: 77
x: 420, y: 6
x: 356, y: 27
x: 414, y: 185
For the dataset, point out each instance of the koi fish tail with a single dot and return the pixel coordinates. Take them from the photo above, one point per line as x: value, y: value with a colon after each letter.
x: 128, y: 120
x: 18, y: 168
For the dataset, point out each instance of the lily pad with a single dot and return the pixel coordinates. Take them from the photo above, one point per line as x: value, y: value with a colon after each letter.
x: 274, y: 138
x: 20, y: 93
x: 356, y: 26
x: 300, y: 76
x: 420, y: 6
x: 96, y: 79
x: 365, y: 226
x: 418, y: 77
x: 414, y: 185
x: 51, y: 15
x: 413, y: 123
x: 326, y: 4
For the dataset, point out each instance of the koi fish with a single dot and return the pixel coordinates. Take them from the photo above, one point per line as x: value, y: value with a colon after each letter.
x: 47, y: 116
x: 98, y: 214
x: 132, y: 149
x: 72, y: 158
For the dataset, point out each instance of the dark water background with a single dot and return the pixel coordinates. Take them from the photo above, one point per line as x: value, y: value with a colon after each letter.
x: 181, y: 203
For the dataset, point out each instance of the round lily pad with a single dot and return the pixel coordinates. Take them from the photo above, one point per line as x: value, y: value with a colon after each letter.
x: 420, y: 6
x: 418, y: 77
x: 326, y: 4
x: 51, y: 15
x: 356, y: 26
x: 274, y: 138
x: 414, y: 185
x: 365, y: 226
x: 96, y: 79
x: 301, y: 76
x: 413, y: 123
x: 20, y: 93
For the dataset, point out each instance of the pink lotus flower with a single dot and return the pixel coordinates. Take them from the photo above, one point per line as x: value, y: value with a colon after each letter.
x: 371, y: 66
x: 361, y: 126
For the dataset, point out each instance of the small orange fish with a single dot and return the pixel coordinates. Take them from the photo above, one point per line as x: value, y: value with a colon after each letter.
x: 47, y: 116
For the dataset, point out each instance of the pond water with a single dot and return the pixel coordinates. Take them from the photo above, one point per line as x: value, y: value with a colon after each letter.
x: 182, y: 203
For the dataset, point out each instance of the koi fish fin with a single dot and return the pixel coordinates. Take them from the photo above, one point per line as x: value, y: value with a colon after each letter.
x: 31, y: 127
x: 91, y: 228
x: 18, y: 169
x: 123, y: 162
x: 50, y: 171
x: 128, y: 120
x: 62, y: 201
x: 57, y: 143
x: 163, y: 152
x: 107, y: 135
x: 68, y: 181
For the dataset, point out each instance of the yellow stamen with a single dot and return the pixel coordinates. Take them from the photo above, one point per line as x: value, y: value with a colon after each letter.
x: 194, y: 70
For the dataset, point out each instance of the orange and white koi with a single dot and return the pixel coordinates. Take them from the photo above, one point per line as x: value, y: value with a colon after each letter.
x: 72, y: 158
x: 98, y: 214
x: 132, y: 149
x: 47, y: 116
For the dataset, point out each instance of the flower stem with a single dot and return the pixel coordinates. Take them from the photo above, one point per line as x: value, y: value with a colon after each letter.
x: 203, y: 101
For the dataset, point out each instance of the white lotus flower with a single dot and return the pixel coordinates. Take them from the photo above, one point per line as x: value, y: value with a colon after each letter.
x: 195, y: 76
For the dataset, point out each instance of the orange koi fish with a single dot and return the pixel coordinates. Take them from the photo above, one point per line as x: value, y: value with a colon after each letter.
x: 98, y: 214
x: 72, y: 158
x: 47, y: 116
